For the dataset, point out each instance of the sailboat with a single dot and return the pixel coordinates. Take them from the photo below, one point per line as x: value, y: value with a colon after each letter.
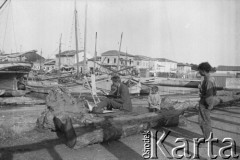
x: 46, y: 85
x: 12, y: 72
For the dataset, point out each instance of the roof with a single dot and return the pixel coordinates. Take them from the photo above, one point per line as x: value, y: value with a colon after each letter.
x: 31, y: 56
x: 115, y: 53
x: 163, y: 60
x: 228, y: 68
x: 140, y: 57
x: 97, y: 59
x: 223, y: 75
x: 183, y: 64
x: 68, y: 53
x: 13, y: 55
x: 50, y: 62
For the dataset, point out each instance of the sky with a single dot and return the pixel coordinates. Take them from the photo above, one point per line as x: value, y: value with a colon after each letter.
x: 188, y: 31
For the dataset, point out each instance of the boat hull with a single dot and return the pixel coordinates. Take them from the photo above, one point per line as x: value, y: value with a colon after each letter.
x: 41, y: 86
x: 18, y: 67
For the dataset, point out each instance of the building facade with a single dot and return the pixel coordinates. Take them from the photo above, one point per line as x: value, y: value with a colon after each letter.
x: 164, y: 65
x: 228, y: 70
x: 110, y: 58
x: 49, y: 65
x: 68, y: 58
x: 183, y: 68
x: 143, y: 62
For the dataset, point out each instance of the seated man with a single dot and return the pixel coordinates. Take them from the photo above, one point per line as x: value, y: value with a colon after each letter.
x: 119, y: 98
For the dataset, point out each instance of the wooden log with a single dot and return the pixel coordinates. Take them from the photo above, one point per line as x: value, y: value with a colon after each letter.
x: 107, y: 129
x: 20, y: 101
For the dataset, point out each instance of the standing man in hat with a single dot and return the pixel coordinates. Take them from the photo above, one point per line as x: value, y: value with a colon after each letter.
x: 119, y: 98
x: 207, y: 98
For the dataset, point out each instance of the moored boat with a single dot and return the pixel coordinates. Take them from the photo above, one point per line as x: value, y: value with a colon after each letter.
x: 41, y: 86
x: 12, y: 77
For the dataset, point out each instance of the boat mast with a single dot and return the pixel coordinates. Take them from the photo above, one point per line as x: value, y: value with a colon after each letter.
x: 95, y: 56
x: 126, y: 58
x: 76, y: 37
x: 41, y: 61
x: 85, y: 38
x: 119, y: 52
x: 59, y: 56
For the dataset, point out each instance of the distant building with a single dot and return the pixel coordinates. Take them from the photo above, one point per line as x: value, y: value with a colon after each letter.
x: 68, y: 57
x: 224, y: 72
x: 81, y: 66
x: 110, y: 58
x: 90, y: 64
x: 36, y: 65
x: 143, y: 62
x: 164, y: 65
x: 183, y: 68
x: 49, y: 65
x: 228, y: 70
x: 29, y: 56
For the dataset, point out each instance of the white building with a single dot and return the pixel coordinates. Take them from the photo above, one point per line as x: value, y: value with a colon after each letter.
x: 143, y: 62
x: 228, y: 70
x: 29, y: 56
x: 90, y: 64
x: 36, y: 66
x: 110, y: 58
x: 68, y: 58
x: 184, y: 71
x: 49, y: 65
x: 183, y: 68
x: 164, y: 65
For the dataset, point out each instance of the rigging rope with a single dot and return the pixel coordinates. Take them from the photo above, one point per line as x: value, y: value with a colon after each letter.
x: 14, y: 35
x: 3, y: 4
x: 5, y: 29
x: 169, y: 29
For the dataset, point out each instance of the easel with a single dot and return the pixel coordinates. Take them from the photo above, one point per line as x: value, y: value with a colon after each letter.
x: 92, y: 88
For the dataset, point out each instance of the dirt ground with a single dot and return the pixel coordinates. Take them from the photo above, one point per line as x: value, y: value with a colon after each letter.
x: 35, y: 144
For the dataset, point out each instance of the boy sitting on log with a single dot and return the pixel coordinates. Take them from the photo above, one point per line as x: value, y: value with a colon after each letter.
x: 154, y: 100
x: 118, y: 98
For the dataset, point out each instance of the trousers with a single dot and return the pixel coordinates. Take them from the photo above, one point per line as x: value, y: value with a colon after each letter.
x: 204, y: 120
x: 109, y: 104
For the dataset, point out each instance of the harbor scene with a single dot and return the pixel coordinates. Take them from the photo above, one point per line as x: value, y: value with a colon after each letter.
x: 123, y: 80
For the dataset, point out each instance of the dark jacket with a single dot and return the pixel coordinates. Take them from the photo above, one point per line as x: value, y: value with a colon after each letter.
x: 208, y: 92
x: 124, y: 97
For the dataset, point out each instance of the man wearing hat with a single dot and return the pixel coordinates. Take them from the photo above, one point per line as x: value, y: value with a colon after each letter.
x: 119, y: 98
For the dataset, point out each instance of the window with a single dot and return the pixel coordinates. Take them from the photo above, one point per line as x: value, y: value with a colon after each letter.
x: 114, y: 60
x: 108, y: 60
x: 138, y: 63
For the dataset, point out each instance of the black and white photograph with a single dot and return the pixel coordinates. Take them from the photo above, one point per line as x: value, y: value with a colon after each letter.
x: 119, y: 79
